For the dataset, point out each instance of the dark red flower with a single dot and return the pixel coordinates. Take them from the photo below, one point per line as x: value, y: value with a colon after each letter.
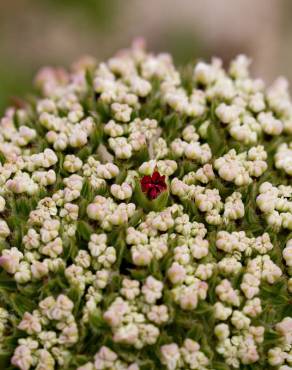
x: 153, y: 185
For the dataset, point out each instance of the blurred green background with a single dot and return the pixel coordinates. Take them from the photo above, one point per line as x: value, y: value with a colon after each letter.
x: 34, y: 33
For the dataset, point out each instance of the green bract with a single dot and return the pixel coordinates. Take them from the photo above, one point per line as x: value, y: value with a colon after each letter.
x: 193, y: 269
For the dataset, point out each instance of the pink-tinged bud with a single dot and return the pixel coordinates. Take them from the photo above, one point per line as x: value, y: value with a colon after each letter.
x: 22, y: 357
x: 142, y: 256
x: 9, y: 264
x: 39, y: 269
x: 176, y: 273
x: 189, y: 301
x: 15, y: 186
x: 285, y: 327
x: 9, y: 260
x: 111, y: 318
x: 93, y: 211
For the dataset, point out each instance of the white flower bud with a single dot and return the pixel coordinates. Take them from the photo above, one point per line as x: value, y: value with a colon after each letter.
x: 270, y: 124
x: 2, y: 204
x: 121, y: 112
x: 227, y: 113
x: 4, y: 229
x: 78, y: 138
x: 222, y: 331
x: 72, y: 163
x: 121, y: 192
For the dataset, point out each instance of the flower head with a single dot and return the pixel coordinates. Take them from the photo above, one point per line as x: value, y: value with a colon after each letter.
x: 90, y: 228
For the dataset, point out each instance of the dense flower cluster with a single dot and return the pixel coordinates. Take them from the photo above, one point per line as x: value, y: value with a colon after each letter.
x: 146, y: 218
